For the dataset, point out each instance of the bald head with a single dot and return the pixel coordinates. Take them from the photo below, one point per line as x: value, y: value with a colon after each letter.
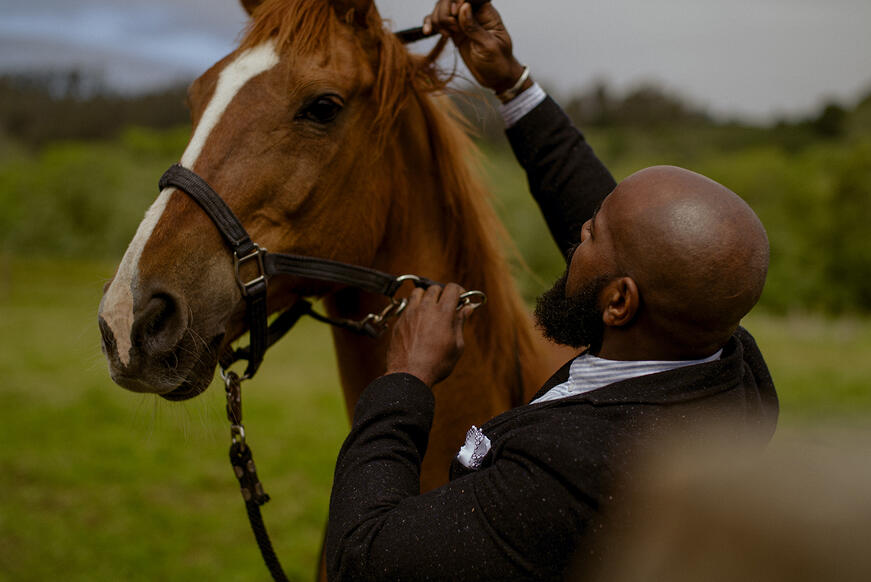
x: 697, y: 252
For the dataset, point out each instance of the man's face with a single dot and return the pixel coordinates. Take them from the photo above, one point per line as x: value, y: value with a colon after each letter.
x: 593, y: 256
x: 570, y: 313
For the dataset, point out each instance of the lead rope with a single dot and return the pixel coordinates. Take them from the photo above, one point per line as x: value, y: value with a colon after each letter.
x: 241, y: 457
x: 242, y: 460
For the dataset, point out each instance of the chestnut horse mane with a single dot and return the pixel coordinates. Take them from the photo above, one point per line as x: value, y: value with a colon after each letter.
x: 475, y: 237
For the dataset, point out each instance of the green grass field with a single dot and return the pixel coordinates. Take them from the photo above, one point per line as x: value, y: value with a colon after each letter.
x: 102, y: 484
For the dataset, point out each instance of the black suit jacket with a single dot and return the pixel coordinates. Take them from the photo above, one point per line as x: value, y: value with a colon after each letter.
x: 553, y: 466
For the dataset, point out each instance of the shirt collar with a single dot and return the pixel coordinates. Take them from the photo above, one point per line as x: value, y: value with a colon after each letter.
x: 589, y: 372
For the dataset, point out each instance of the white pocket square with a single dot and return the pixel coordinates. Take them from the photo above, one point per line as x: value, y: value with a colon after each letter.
x: 474, y: 449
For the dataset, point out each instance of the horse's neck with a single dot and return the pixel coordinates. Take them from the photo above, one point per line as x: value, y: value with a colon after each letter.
x: 411, y: 245
x: 415, y: 241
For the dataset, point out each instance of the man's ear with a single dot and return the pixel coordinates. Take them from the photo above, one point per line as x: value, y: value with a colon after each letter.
x: 621, y: 301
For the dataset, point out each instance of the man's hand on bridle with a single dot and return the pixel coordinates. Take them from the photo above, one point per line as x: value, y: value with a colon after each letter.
x: 427, y: 339
x: 482, y: 40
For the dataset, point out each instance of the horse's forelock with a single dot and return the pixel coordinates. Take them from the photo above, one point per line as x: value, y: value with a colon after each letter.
x: 309, y: 27
x: 304, y: 26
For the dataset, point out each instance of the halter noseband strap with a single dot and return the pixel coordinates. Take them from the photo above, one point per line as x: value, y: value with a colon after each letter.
x: 245, y: 252
x: 243, y: 248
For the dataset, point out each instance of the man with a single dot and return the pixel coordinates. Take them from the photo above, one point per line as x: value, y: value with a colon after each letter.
x: 662, y: 268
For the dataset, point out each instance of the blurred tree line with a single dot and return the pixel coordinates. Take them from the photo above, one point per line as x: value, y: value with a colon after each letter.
x: 39, y: 108
x: 79, y: 165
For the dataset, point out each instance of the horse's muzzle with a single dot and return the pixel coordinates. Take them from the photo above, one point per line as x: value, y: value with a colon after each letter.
x: 165, y: 356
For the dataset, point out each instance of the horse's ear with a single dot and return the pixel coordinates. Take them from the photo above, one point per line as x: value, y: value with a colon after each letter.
x: 353, y: 11
x: 250, y: 5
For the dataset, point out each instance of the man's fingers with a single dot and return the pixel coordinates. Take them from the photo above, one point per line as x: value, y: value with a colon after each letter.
x: 442, y: 11
x: 460, y: 324
x: 488, y: 17
x: 442, y: 19
x: 467, y: 310
x: 431, y: 295
x: 469, y: 24
x: 450, y: 297
x: 414, y: 298
x: 444, y: 300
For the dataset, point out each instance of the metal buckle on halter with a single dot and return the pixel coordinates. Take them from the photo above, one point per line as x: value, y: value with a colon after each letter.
x: 377, y: 322
x: 403, y: 278
x: 262, y: 277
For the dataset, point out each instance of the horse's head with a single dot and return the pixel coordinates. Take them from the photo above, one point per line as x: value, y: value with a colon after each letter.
x: 287, y: 129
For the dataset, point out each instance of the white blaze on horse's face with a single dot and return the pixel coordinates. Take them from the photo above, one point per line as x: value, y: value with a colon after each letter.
x: 248, y: 65
x: 117, y: 306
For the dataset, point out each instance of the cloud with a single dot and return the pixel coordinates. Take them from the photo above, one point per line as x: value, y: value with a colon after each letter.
x: 131, y: 43
x: 754, y: 57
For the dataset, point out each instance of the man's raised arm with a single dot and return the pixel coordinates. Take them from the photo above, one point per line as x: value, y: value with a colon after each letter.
x: 566, y: 178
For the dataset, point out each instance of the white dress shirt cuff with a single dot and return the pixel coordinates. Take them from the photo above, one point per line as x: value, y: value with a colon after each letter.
x: 517, y: 108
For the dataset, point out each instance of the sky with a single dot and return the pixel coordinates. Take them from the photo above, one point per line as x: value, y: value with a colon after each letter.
x: 756, y: 59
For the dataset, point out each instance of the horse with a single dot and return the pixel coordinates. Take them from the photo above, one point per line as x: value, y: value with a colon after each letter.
x: 327, y: 138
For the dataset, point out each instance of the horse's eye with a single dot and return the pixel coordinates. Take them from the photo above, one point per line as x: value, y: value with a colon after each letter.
x: 322, y: 110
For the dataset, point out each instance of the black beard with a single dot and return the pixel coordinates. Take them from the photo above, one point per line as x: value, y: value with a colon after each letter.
x: 572, y: 321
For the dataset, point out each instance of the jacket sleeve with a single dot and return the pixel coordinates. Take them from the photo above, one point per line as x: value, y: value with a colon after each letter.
x: 512, y: 520
x: 565, y: 177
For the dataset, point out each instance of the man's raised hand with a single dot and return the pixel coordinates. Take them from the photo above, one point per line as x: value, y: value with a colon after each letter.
x: 482, y: 40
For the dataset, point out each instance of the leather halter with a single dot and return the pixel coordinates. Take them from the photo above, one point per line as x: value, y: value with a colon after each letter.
x: 248, y: 253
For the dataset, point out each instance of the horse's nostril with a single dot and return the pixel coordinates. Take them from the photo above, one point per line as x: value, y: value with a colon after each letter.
x: 107, y: 335
x: 159, y: 325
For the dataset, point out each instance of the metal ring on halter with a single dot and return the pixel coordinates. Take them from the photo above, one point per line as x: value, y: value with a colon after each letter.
x: 466, y: 299
x: 403, y: 278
